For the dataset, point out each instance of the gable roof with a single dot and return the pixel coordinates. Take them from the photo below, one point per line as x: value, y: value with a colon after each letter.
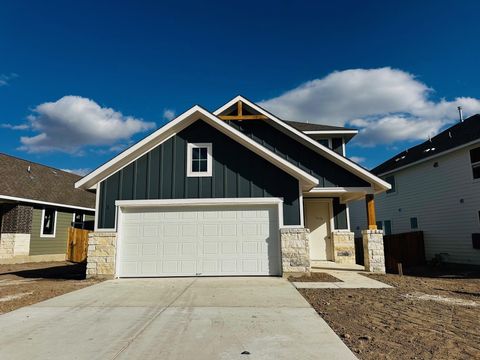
x: 170, y: 129
x: 379, y: 184
x: 42, y: 184
x: 455, y: 136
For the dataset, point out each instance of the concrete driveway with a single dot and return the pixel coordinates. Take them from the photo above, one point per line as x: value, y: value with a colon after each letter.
x: 182, y: 318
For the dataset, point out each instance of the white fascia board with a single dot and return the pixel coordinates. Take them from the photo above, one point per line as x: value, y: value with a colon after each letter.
x: 132, y: 153
x: 179, y: 124
x: 32, y: 201
x: 198, y: 202
x: 431, y: 157
x: 314, y: 145
x: 342, y: 190
x: 329, y: 132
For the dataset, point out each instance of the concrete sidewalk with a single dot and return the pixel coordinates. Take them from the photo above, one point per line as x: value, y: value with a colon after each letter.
x: 182, y: 318
x: 350, y: 280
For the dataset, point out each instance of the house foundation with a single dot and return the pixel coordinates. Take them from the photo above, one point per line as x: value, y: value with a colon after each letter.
x: 374, y: 257
x: 101, y: 255
x: 295, y: 250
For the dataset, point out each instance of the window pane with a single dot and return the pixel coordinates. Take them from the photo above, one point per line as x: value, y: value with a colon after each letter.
x: 203, y: 153
x: 414, y: 223
x: 49, y: 222
x: 203, y: 165
x: 388, y: 227
x: 379, y: 225
x: 476, y: 171
x: 475, y: 155
x: 195, y: 153
x: 195, y: 165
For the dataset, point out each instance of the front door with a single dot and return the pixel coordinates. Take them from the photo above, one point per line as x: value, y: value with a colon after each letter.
x: 317, y: 219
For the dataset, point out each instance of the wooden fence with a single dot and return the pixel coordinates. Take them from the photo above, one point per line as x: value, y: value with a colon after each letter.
x: 77, y: 244
x: 406, y: 248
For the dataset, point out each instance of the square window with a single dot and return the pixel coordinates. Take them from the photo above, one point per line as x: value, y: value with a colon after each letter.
x: 199, y: 159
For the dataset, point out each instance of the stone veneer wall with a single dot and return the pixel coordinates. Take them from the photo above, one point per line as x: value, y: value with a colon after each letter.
x: 295, y: 250
x: 101, y: 254
x: 374, y: 256
x: 343, y: 246
x: 15, y: 230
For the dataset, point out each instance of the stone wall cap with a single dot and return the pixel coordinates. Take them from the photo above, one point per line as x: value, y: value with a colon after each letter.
x: 294, y: 230
x: 372, y: 231
x: 102, y: 234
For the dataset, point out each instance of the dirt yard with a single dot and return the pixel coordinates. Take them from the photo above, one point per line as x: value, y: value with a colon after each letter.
x: 26, y: 284
x: 432, y: 316
x: 314, y: 277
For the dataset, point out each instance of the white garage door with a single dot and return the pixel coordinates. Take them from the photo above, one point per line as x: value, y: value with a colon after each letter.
x: 199, y: 240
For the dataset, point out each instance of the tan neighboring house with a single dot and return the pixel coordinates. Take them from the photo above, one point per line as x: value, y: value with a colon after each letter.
x: 37, y: 205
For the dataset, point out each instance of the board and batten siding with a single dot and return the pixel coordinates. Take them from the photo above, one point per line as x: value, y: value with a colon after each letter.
x: 444, y: 199
x: 161, y: 174
x: 327, y: 172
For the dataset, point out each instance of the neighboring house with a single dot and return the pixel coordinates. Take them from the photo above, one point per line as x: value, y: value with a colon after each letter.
x: 435, y: 189
x: 37, y: 205
x: 232, y: 192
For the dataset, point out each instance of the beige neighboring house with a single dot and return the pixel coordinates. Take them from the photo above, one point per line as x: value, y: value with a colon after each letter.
x: 37, y: 205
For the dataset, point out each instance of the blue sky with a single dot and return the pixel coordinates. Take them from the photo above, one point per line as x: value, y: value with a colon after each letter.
x: 79, y: 81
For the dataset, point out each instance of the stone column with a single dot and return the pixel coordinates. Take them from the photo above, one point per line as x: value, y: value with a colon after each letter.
x: 374, y: 257
x: 295, y: 250
x: 343, y: 246
x: 101, y: 254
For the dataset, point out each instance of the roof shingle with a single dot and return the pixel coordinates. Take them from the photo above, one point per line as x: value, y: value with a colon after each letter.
x: 456, y: 135
x: 41, y: 183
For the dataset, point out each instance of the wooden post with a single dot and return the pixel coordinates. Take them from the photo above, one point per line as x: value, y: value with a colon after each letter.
x: 371, y: 220
x: 239, y: 109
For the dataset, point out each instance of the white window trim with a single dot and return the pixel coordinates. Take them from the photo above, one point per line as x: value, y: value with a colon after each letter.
x: 42, y: 235
x: 190, y: 147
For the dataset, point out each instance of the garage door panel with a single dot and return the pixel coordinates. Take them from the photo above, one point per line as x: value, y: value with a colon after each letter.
x: 187, y: 241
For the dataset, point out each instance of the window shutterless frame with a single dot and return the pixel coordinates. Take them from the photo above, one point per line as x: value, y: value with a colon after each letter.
x: 53, y: 219
x: 199, y: 159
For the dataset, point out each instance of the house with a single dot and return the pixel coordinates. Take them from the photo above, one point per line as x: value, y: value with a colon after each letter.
x: 234, y: 192
x: 435, y: 189
x: 37, y: 205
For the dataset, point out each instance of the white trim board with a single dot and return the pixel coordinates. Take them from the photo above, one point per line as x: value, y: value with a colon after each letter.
x: 329, y: 132
x: 178, y: 124
x: 314, y: 145
x: 13, y: 198
x: 42, y: 221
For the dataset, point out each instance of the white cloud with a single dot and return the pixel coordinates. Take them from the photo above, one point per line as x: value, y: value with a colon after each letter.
x: 358, y: 159
x: 15, y: 127
x: 5, y: 79
x: 73, y: 122
x: 168, y: 114
x: 388, y: 105
x: 80, y: 171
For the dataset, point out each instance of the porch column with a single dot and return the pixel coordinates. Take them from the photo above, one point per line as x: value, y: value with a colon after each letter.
x: 371, y: 219
x: 374, y: 257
